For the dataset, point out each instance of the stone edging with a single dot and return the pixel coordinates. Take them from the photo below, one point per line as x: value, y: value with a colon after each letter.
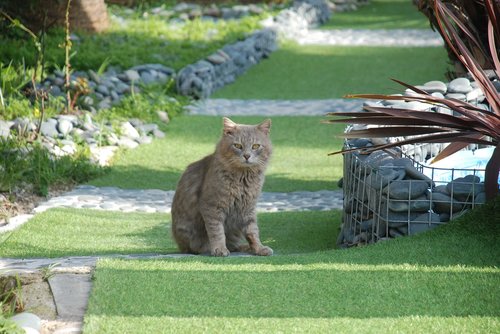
x: 154, y: 200
x: 204, y: 77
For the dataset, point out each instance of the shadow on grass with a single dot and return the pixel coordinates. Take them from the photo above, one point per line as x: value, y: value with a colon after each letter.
x: 380, y: 15
x: 81, y: 232
x: 293, y: 293
x: 299, y: 161
x: 324, y: 72
x: 282, y: 183
x: 139, y: 177
x: 448, y: 272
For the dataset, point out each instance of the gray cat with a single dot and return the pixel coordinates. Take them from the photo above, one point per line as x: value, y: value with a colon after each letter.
x: 213, y: 209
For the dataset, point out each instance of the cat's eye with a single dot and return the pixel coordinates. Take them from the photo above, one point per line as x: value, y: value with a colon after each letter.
x: 238, y: 146
x: 255, y: 146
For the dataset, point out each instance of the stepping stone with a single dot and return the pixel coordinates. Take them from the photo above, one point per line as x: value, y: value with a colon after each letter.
x: 71, y: 293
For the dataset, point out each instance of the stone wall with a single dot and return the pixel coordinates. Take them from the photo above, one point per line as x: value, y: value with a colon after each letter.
x: 205, y: 76
x: 109, y: 88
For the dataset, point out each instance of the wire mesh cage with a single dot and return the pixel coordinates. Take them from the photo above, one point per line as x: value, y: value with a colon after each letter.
x: 389, y: 193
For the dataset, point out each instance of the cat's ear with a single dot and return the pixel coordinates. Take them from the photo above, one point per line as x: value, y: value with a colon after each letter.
x: 265, y: 126
x: 229, y: 126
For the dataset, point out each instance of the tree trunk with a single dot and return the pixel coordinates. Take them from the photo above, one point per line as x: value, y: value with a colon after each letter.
x: 491, y: 174
x: 88, y: 15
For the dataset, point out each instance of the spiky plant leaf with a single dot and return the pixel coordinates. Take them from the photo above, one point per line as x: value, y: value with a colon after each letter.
x: 471, y: 125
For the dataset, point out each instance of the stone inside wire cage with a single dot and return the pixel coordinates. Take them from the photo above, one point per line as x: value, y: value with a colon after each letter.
x: 389, y: 194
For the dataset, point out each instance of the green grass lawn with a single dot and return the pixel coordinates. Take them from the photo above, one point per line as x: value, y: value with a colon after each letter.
x: 380, y: 14
x: 73, y: 232
x: 77, y: 232
x: 324, y: 72
x: 443, y: 281
x: 299, y: 162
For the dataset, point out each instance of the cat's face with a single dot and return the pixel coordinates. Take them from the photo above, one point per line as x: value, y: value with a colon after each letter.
x: 246, y: 146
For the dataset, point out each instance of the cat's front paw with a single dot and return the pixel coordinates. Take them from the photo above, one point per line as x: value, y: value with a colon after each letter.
x: 264, y: 251
x: 221, y: 251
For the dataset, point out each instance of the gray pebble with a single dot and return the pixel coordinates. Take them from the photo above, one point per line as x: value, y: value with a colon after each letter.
x: 129, y: 131
x: 434, y: 87
x: 444, y: 203
x: 460, y: 85
x: 163, y: 116
x: 407, y: 189
x: 158, y: 133
x: 64, y: 127
x: 131, y: 75
x: 103, y: 90
x: 127, y: 143
x: 457, y: 96
x: 49, y: 128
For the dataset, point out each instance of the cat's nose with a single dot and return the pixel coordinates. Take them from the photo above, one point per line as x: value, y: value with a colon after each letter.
x: 246, y: 156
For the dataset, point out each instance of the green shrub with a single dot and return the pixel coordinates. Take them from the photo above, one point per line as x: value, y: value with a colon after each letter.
x: 46, y: 170
x: 144, y: 105
x: 12, y: 165
x: 13, y: 78
x: 33, y: 164
x: 22, y: 107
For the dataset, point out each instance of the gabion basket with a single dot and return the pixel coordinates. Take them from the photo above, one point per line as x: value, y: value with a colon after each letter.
x: 389, y: 194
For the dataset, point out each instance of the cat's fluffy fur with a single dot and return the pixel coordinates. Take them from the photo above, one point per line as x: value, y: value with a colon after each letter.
x: 214, y: 207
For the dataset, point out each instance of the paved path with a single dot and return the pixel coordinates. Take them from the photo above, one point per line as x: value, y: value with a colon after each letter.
x: 225, y: 107
x: 365, y: 37
x: 153, y: 200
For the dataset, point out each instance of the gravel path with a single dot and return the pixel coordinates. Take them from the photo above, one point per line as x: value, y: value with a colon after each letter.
x: 153, y: 200
x: 365, y: 37
x: 225, y: 107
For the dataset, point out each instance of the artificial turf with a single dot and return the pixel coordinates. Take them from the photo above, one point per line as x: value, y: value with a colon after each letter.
x: 296, y: 72
x: 380, y: 14
x: 442, y: 281
x: 74, y: 232
x: 78, y: 232
x: 300, y: 158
